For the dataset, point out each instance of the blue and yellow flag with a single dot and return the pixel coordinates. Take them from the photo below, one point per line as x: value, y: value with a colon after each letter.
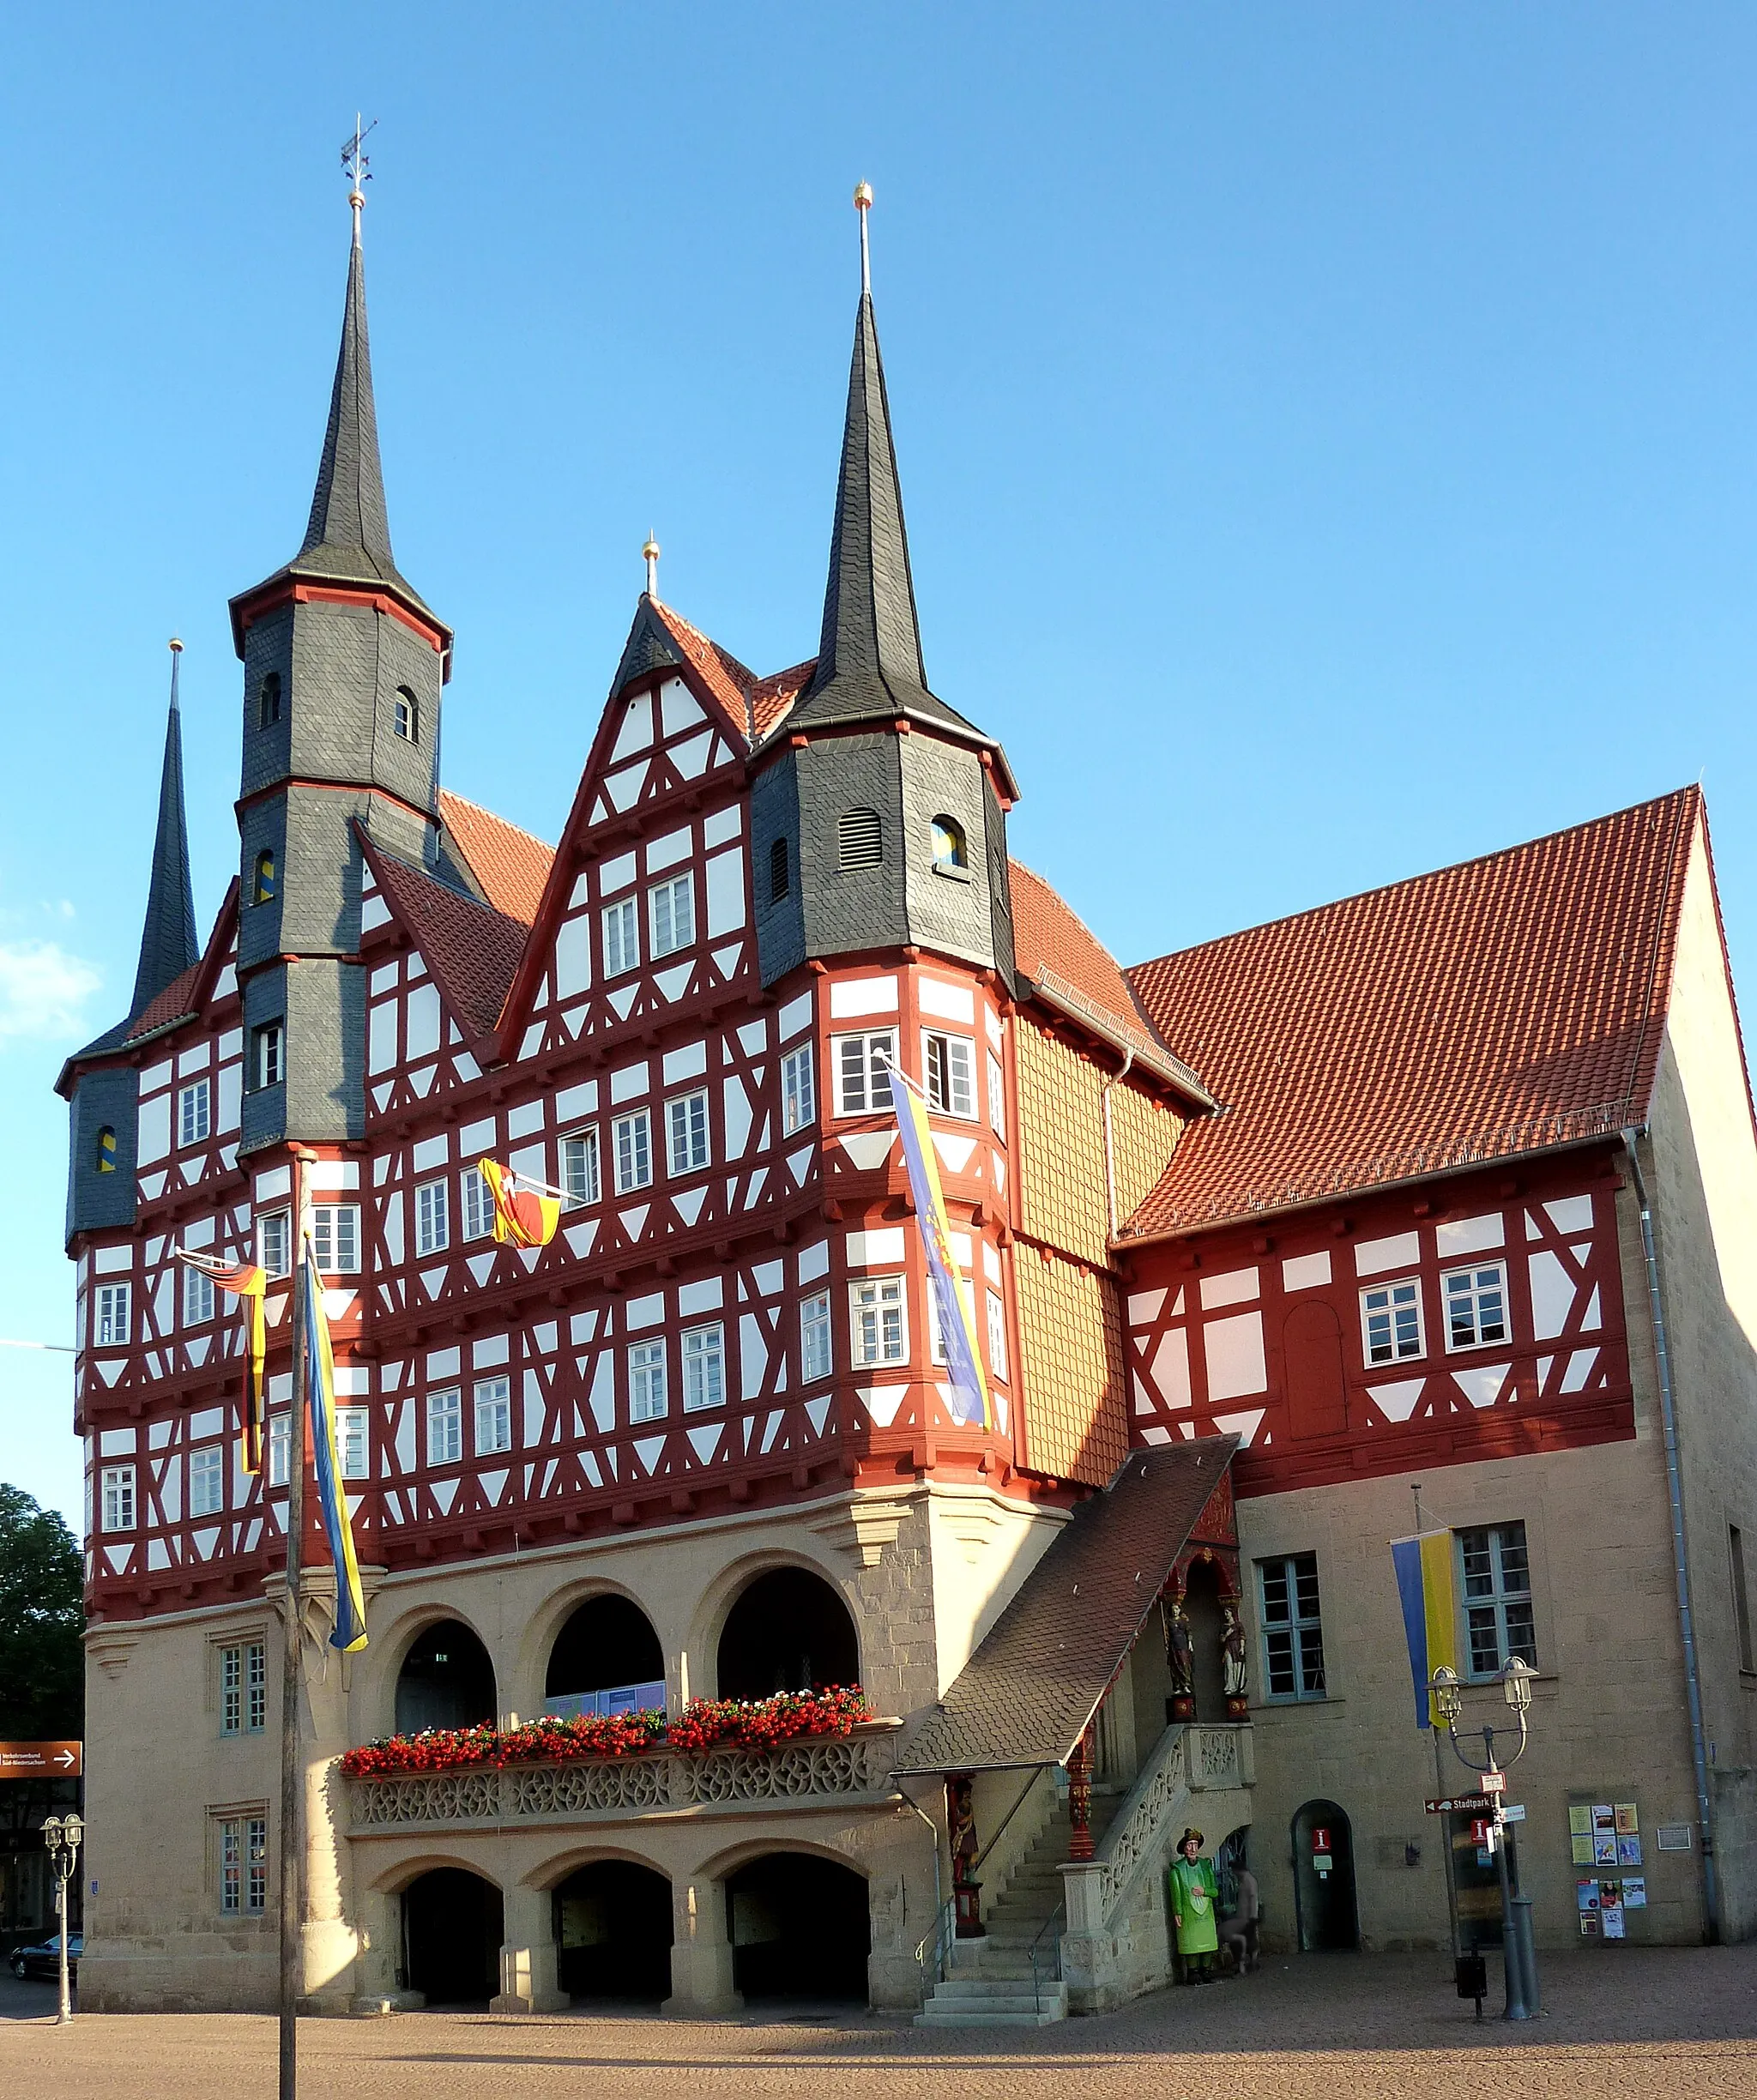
x: 350, y: 1631
x: 958, y: 1318
x: 1426, y: 1587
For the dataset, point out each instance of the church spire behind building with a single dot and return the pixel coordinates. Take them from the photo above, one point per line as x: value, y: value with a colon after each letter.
x: 168, y: 945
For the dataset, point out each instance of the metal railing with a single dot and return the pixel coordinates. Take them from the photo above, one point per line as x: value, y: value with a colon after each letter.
x: 1043, y: 1956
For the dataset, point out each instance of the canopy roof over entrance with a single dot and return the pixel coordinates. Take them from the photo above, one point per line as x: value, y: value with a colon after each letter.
x: 1029, y: 1691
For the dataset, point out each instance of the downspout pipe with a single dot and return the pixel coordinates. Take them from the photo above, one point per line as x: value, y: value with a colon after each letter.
x: 1115, y: 1079
x: 1680, y: 1566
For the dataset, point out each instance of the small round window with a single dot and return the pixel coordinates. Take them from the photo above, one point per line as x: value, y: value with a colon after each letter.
x: 948, y: 842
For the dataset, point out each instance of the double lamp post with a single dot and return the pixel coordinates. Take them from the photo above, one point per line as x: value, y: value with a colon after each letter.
x: 62, y: 1834
x: 1519, y: 1948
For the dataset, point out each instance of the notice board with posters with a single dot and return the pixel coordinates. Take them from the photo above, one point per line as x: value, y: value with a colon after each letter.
x: 1605, y: 1847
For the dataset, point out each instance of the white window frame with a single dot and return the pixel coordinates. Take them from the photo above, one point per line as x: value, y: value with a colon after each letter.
x: 670, y: 931
x: 817, y: 1339
x: 648, y: 1397
x: 621, y: 925
x: 949, y: 1073
x: 280, y: 1448
x: 197, y: 1296
x: 492, y: 1398
x: 1476, y: 1288
x: 1394, y: 1304
x: 112, y: 1315
x: 871, y: 1300
x: 208, y: 1465
x: 704, y: 1367
x: 580, y: 1174
x: 268, y: 1054
x: 195, y: 1112
x: 997, y: 1337
x: 445, y: 1426
x: 997, y: 1095
x: 432, y: 1216
x: 274, y: 1243
x: 477, y: 1205
x: 121, y: 1508
x: 353, y: 1446
x: 799, y: 1090
x: 856, y: 1058
x: 688, y: 1140
x: 336, y: 1235
x: 405, y: 717
x: 632, y: 1137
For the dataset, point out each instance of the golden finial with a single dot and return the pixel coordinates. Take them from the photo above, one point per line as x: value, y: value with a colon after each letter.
x: 863, y: 204
x: 357, y: 167
x: 649, y: 554
x: 174, y: 645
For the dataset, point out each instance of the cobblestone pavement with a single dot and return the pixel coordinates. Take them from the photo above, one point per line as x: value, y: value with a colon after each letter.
x: 1648, y: 2024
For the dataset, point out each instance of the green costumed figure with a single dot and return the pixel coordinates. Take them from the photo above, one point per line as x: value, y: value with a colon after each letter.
x: 1195, y: 1901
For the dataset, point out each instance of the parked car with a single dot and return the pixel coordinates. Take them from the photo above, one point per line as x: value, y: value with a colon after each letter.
x: 45, y: 1959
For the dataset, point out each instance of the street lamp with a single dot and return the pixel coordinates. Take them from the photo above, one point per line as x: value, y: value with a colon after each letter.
x: 63, y: 1836
x: 1517, y: 1947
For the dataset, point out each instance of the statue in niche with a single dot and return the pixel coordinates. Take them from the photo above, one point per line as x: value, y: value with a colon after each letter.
x: 1180, y: 1655
x: 1232, y: 1659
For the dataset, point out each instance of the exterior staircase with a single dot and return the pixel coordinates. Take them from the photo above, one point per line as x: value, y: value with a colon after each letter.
x: 988, y: 1981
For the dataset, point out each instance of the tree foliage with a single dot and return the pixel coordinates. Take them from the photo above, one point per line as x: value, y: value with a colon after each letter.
x: 42, y: 1617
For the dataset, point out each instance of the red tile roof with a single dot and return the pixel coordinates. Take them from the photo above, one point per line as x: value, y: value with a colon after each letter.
x: 1511, y: 1002
x: 471, y: 951
x: 771, y: 697
x: 178, y: 998
x: 725, y: 677
x: 510, y: 865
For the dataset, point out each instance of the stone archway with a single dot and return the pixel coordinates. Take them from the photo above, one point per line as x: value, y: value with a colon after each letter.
x: 446, y: 1681
x: 613, y: 1932
x: 605, y: 1659
x: 452, y: 1927
x: 800, y: 1928
x: 786, y: 1630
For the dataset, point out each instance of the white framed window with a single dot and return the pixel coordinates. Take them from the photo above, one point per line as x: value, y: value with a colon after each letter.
x: 815, y: 1348
x: 1476, y: 1304
x: 274, y: 1243
x: 207, y: 1481
x: 936, y: 1333
x: 268, y: 1059
x: 244, y: 1866
x: 477, y: 1204
x: 686, y: 1127
x: 493, y: 1397
x: 406, y: 715
x: 863, y: 1067
x: 622, y: 937
x: 194, y: 1113
x: 949, y: 1065
x: 353, y: 1444
x: 118, y: 1498
x: 445, y: 1427
x: 632, y: 1135
x: 1390, y: 1322
x: 197, y: 1296
x: 280, y: 1449
x: 997, y: 1335
x: 433, y: 1218
x: 1497, y: 1571
x: 704, y: 1367
x: 111, y: 1316
x: 670, y: 915
x: 336, y: 1234
x: 579, y: 1167
x: 877, y: 1321
x: 798, y: 1092
x: 997, y: 1096
x: 646, y: 1382
x: 244, y: 1688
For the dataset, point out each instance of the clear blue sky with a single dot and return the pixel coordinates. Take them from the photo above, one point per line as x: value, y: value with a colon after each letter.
x: 1327, y: 429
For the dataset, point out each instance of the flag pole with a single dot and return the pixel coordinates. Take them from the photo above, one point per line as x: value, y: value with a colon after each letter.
x: 292, y: 1663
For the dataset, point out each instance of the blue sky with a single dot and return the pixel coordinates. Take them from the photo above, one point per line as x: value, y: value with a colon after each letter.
x: 1326, y: 430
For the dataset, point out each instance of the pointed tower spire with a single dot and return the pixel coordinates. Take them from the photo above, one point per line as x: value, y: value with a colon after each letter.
x: 168, y: 945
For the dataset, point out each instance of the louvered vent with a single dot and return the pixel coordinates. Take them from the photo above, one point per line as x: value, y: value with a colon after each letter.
x: 778, y: 882
x: 859, y: 839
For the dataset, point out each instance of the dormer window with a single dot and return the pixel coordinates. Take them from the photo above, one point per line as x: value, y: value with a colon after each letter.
x: 263, y: 890
x: 105, y: 1162
x: 406, y: 719
x: 948, y: 837
x: 780, y: 875
x: 269, y: 700
x: 859, y: 839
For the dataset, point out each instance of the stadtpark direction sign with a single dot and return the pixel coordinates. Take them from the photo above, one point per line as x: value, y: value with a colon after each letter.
x: 40, y: 1760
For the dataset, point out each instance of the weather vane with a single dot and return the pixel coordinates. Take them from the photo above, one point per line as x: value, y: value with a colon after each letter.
x: 357, y: 167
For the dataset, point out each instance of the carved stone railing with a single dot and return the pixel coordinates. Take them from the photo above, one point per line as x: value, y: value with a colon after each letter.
x: 1219, y: 1757
x: 808, y: 1769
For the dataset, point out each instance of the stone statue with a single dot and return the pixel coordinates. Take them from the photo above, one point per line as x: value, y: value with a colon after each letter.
x: 1232, y: 1651
x: 1178, y: 1651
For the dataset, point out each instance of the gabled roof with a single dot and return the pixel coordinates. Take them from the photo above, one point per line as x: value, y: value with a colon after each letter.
x: 1028, y: 1693
x: 510, y: 865
x: 472, y: 950
x: 1511, y: 1004
x: 660, y: 638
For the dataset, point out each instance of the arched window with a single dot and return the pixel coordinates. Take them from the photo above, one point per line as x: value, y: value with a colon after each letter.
x: 407, y: 715
x: 446, y: 1682
x: 787, y: 1632
x: 780, y: 875
x: 948, y: 836
x: 105, y: 1158
x: 263, y: 892
x: 605, y: 1659
x: 860, y: 838
x: 269, y: 700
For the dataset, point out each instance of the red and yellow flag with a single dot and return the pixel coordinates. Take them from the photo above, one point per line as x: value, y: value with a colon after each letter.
x: 525, y: 1214
x: 247, y: 1281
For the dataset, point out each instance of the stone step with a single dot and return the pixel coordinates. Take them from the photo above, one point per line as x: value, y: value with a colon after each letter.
x: 1047, y: 2018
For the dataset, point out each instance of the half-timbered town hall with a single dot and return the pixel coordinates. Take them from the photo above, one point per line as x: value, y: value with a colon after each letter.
x: 1452, y: 1187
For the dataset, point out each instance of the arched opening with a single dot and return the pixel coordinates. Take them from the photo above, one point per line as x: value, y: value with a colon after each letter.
x: 452, y: 1927
x: 948, y: 837
x: 1317, y: 1402
x: 1202, y: 1607
x: 606, y: 1660
x: 104, y: 1159
x: 446, y: 1681
x: 1324, y: 1878
x: 780, y: 874
x: 613, y: 1931
x: 263, y: 889
x: 799, y: 1928
x: 269, y: 700
x: 407, y: 716
x: 787, y: 1632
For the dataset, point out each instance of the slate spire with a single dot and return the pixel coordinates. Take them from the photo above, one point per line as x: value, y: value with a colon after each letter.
x: 168, y: 945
